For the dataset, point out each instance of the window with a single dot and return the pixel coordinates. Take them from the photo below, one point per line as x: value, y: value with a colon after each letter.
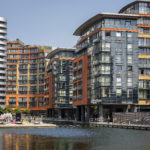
x: 62, y: 93
x: 129, y: 47
x: 118, y: 59
x: 129, y: 81
x: 118, y: 81
x: 32, y: 101
x: 105, y: 46
x: 118, y: 92
x: 129, y: 93
x: 105, y: 58
x: 129, y: 68
x: 107, y: 33
x: 129, y: 59
x: 41, y: 101
x: 12, y: 101
x: 118, y: 68
x: 129, y: 35
x: 118, y: 34
x: 105, y: 69
x: 22, y: 101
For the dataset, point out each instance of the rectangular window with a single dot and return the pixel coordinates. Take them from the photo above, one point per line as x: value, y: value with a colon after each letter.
x: 118, y: 59
x: 129, y: 35
x: 118, y: 34
x: 129, y: 59
x: 129, y: 93
x: 129, y: 81
x: 118, y: 92
x: 118, y: 68
x: 118, y: 81
x: 22, y: 101
x: 129, y: 47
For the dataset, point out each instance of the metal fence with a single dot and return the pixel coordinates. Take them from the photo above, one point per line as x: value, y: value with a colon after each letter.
x: 132, y: 118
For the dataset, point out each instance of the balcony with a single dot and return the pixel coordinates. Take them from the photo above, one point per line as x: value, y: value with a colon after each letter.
x: 74, y: 78
x: 2, y: 42
x: 75, y: 68
x: 79, y: 87
x: 74, y: 97
x: 74, y: 89
x: 96, y: 40
x: 96, y: 62
x: 2, y: 59
x: 3, y: 37
x: 80, y: 67
x: 2, y: 89
x: 2, y: 48
x: 144, y: 66
x: 79, y: 97
x: 82, y: 47
x: 3, y: 31
x: 79, y: 76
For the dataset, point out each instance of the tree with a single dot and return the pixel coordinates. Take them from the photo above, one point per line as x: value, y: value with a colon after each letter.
x: 8, y: 110
x: 1, y: 110
x: 18, y: 110
x: 26, y: 111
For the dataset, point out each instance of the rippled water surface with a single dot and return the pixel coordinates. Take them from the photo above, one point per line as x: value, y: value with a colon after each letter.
x: 74, y: 139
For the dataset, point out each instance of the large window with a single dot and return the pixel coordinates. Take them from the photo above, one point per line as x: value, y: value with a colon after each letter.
x: 32, y: 102
x: 118, y: 92
x: 105, y: 58
x: 129, y: 47
x: 105, y: 46
x: 23, y: 101
x: 105, y: 69
x: 62, y: 93
x: 12, y: 101
x: 41, y: 101
x: 118, y: 59
x: 129, y: 93
x: 118, y: 34
x: 129, y: 81
x: 118, y: 81
x: 129, y: 59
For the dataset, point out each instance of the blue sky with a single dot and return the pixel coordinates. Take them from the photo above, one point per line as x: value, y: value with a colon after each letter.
x: 52, y: 22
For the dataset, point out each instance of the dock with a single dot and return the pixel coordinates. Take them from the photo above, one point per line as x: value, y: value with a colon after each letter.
x: 118, y: 125
x: 41, y: 125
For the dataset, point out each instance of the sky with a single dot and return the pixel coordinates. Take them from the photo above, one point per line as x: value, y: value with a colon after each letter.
x: 52, y: 22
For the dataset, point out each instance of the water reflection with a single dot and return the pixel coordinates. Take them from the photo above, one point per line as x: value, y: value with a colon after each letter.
x: 74, y: 139
x: 35, y: 142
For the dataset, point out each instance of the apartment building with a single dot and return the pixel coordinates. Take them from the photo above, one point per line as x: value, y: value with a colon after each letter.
x: 106, y: 65
x: 25, y: 76
x: 142, y: 9
x: 58, y: 83
x: 3, y: 38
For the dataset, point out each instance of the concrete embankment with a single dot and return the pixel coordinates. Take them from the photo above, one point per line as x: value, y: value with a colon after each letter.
x: 41, y: 125
x: 118, y: 125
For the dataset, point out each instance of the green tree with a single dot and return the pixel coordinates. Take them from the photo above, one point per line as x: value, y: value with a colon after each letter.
x: 1, y: 110
x: 18, y: 110
x: 8, y: 110
x: 26, y: 111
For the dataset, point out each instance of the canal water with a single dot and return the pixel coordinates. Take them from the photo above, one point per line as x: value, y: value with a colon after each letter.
x: 74, y: 139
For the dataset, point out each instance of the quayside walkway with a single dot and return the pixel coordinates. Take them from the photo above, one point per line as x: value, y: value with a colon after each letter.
x: 73, y: 123
x: 119, y: 125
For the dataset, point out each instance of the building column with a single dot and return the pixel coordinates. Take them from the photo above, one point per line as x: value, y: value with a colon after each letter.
x: 77, y: 113
x: 82, y: 113
x: 87, y: 113
x: 100, y: 112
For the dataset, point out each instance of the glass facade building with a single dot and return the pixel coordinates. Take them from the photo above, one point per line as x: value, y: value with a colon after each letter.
x: 106, y: 65
x: 142, y: 9
x: 58, y: 83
